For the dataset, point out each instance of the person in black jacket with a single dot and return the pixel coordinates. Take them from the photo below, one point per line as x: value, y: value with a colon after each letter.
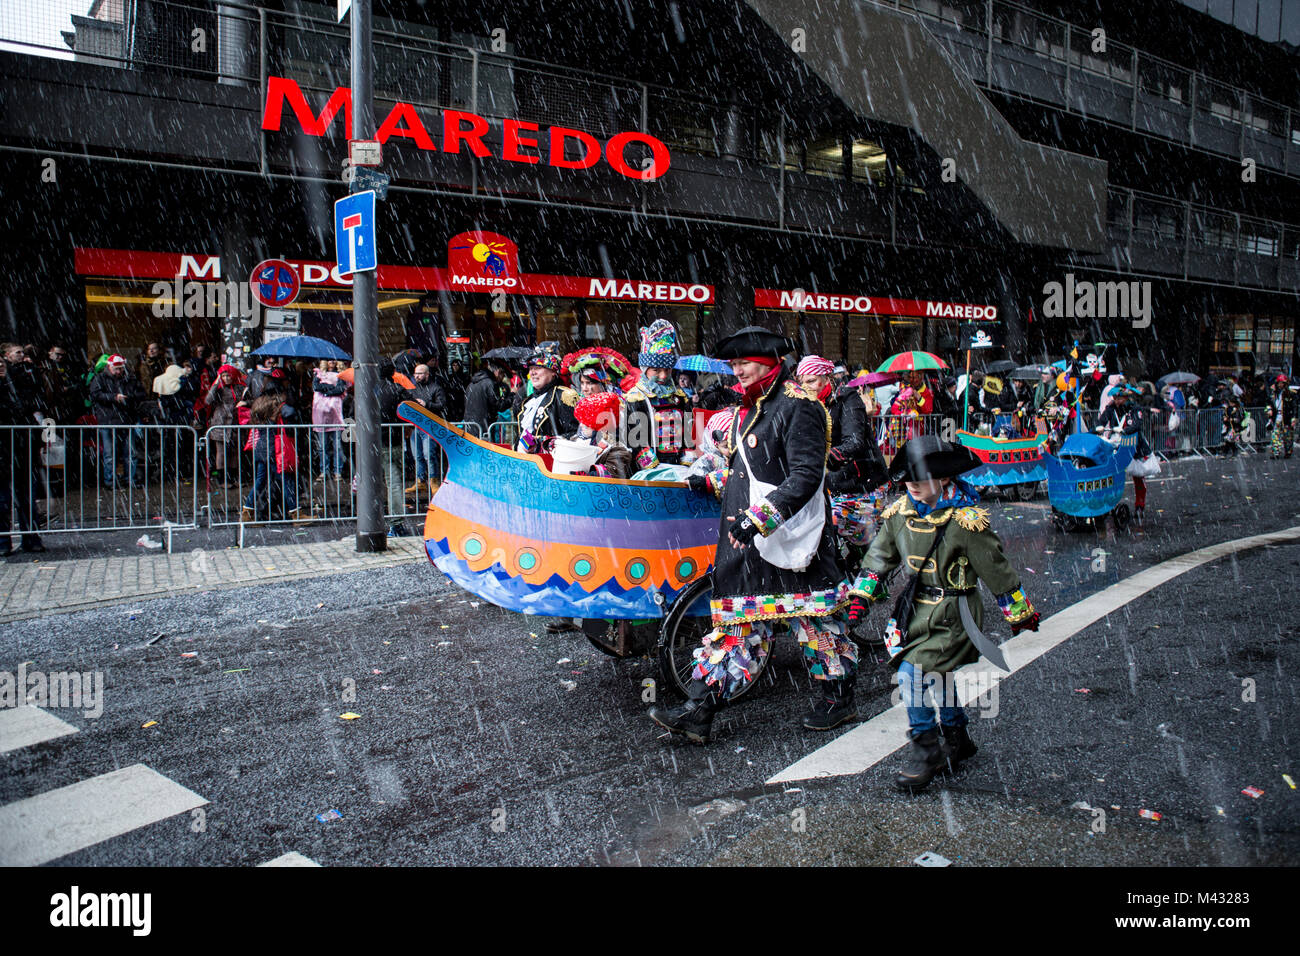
x: 485, y: 398
x: 855, y: 466
x: 548, y: 412
x: 16, y: 467
x: 428, y: 461
x: 117, y: 400
x: 780, y: 436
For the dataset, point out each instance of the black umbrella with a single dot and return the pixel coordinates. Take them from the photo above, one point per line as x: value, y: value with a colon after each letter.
x: 1029, y: 373
x: 1000, y: 366
x: 510, y: 352
x: 1177, y: 378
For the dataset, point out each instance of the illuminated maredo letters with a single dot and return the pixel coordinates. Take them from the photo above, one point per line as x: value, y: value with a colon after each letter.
x: 460, y: 129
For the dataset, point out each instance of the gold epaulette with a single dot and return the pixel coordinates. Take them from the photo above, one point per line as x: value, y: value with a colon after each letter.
x: 894, y: 509
x: 793, y: 390
x: 569, y: 397
x: 973, y: 518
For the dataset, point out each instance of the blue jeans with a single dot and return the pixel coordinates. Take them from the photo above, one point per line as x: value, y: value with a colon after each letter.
x: 330, y: 448
x: 427, y: 463
x: 918, y: 692
x: 111, y: 441
x: 280, y: 485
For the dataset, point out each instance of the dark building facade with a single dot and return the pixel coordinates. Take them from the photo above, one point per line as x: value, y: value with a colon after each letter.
x: 866, y: 175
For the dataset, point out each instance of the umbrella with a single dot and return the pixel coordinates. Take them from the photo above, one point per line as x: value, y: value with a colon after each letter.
x: 912, y: 361
x: 1177, y: 378
x: 303, y: 346
x: 702, y: 363
x: 872, y: 379
x: 510, y: 352
x: 1000, y: 366
x: 1029, y: 373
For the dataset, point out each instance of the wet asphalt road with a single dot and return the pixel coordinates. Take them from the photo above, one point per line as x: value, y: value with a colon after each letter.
x: 472, y: 716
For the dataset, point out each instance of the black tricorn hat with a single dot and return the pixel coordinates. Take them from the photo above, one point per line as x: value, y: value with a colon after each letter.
x: 929, y: 456
x: 753, y: 340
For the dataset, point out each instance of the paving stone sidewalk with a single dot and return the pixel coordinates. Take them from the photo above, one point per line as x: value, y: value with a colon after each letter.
x: 39, y: 588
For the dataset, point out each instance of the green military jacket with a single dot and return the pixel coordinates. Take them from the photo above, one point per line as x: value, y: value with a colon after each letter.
x: 934, y: 640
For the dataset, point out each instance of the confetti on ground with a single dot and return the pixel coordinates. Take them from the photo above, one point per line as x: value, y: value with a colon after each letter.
x: 569, y: 684
x: 1031, y: 570
x: 930, y: 858
x: 1150, y: 815
x: 1219, y: 810
x: 1082, y: 690
x: 329, y: 815
x: 148, y: 723
x: 1253, y: 792
x: 1289, y: 782
x: 190, y: 654
x: 320, y: 605
x: 237, y: 670
x: 444, y: 626
x: 564, y: 660
x: 388, y: 642
x: 444, y: 643
x: 376, y: 671
x: 531, y: 634
x: 349, y: 716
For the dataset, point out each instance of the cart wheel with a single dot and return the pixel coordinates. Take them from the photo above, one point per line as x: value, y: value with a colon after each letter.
x: 1026, y: 490
x: 681, y: 634
x: 1122, y: 516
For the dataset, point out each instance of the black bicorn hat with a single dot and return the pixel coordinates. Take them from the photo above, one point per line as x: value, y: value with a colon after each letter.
x: 929, y: 456
x: 753, y: 340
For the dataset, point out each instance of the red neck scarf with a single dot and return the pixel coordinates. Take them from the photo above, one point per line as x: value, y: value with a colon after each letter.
x: 749, y: 395
x: 824, y: 395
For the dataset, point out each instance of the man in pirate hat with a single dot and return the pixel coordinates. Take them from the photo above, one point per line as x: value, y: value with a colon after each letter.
x: 548, y: 412
x: 779, y: 438
x: 939, y: 533
x: 656, y: 407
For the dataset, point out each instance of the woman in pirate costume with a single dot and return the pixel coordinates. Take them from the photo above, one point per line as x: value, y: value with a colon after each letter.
x: 946, y: 542
x: 548, y: 413
x: 780, y: 436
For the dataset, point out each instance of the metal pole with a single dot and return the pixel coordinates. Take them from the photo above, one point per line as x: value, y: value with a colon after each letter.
x: 371, y: 535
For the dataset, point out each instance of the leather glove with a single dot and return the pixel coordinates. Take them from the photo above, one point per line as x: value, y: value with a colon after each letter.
x: 836, y: 460
x: 1028, y: 624
x: 859, y: 608
x: 699, y: 484
x: 743, y: 530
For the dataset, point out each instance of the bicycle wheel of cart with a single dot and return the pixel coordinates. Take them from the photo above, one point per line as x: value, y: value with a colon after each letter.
x: 682, y: 633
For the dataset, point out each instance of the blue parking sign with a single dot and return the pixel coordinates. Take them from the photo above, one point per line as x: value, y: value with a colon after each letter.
x: 354, y: 233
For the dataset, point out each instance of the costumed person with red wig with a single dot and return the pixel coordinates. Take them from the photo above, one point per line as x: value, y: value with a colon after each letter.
x: 777, y: 560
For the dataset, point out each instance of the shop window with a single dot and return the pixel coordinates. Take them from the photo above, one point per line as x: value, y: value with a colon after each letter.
x: 870, y: 162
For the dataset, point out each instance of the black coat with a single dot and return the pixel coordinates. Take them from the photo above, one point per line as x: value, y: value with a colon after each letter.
x: 103, y: 398
x: 434, y: 398
x: 484, y: 401
x: 786, y: 437
x: 864, y: 467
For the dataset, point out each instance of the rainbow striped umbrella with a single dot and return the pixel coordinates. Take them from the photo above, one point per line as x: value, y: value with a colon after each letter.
x: 912, y: 361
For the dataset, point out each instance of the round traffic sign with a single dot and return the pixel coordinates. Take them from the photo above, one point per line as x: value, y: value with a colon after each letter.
x: 274, y: 283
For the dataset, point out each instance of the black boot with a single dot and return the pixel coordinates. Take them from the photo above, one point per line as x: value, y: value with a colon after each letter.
x: 924, y: 759
x: 694, y: 719
x: 835, y: 706
x: 957, y: 746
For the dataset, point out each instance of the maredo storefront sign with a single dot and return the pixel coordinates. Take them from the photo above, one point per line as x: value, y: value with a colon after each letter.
x: 476, y: 262
x: 521, y: 141
x: 797, y: 300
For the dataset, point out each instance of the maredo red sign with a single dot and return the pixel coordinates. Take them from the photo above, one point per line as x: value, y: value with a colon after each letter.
x: 521, y: 141
x: 797, y: 300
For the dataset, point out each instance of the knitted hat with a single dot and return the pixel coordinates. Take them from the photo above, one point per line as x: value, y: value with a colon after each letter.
x: 116, y: 360
x: 598, y: 411
x: 814, y: 365
x: 658, y: 345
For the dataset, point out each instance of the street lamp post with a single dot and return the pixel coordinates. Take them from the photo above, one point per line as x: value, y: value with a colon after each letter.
x: 371, y: 534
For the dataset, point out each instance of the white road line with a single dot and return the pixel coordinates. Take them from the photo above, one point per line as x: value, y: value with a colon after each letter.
x: 292, y: 858
x: 54, y: 824
x: 24, y: 726
x: 871, y: 741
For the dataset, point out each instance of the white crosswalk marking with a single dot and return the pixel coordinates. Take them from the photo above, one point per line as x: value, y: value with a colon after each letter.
x: 54, y: 824
x: 25, y: 726
x: 870, y: 742
x: 292, y: 858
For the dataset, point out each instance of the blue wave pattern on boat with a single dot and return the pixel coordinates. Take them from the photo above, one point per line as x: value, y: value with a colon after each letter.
x: 1088, y: 492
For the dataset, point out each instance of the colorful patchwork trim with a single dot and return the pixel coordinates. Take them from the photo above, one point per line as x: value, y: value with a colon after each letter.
x: 769, y: 607
x: 1015, y: 606
x: 530, y: 442
x: 646, y: 458
x: 870, y: 586
x: 717, y: 480
x: 765, y: 516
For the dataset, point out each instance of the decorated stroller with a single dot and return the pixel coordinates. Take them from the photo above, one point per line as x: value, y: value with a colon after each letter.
x: 1085, y: 482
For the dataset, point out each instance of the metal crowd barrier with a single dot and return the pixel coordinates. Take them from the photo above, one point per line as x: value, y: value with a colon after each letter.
x: 322, y: 485
x: 504, y: 433
x: 63, y: 479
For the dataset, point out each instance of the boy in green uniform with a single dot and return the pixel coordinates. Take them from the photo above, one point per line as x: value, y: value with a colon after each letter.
x: 944, y: 539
